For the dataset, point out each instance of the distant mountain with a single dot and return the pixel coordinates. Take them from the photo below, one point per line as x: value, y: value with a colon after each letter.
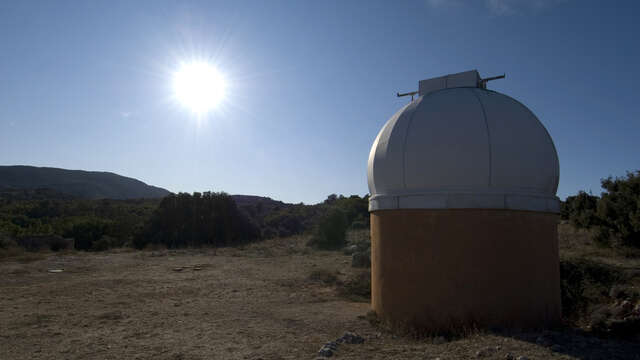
x: 77, y: 183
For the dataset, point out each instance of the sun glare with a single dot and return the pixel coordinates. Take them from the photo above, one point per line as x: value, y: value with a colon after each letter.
x: 199, y: 86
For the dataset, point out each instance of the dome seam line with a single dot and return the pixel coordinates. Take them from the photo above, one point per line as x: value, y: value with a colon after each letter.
x: 556, y: 170
x: 404, y: 143
x: 486, y: 124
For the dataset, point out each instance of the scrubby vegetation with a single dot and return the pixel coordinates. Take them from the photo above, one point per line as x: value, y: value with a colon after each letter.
x: 614, y: 216
x: 277, y: 219
x: 357, y: 287
x: 339, y: 214
x: 194, y: 220
x: 600, y: 285
x: 586, y: 283
x: 600, y: 257
x: 580, y: 210
x: 45, y: 219
x: 331, y: 230
x: 619, y: 210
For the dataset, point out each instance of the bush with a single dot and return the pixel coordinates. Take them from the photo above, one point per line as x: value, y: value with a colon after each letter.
x: 360, y: 222
x: 331, y: 231
x: 619, y: 319
x: 7, y: 242
x: 572, y: 285
x: 86, y: 233
x: 358, y: 287
x: 584, y: 283
x: 361, y: 252
x: 580, y: 210
x: 105, y: 243
x: 286, y: 220
x: 615, y: 215
x: 57, y: 243
x: 40, y: 242
x: 355, y: 208
x: 619, y: 209
x: 195, y: 220
x: 361, y: 259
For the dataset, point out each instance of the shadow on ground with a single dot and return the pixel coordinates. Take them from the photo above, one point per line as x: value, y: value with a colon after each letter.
x: 579, y: 344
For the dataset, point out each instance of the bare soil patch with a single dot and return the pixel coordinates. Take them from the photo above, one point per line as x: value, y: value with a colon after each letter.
x: 271, y: 300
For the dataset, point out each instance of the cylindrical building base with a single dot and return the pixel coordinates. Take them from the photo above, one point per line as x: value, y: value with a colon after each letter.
x: 439, y: 270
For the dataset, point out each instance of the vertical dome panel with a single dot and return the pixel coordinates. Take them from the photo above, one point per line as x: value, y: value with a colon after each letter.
x: 447, y: 131
x: 385, y: 164
x: 523, y: 156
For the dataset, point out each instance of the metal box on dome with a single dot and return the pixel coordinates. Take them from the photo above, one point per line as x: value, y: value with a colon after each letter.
x: 463, y: 207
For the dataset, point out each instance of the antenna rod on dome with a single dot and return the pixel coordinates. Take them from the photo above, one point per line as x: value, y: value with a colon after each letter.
x: 483, y: 82
x: 412, y: 93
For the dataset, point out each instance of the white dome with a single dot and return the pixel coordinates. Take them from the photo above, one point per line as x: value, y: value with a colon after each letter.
x: 463, y: 147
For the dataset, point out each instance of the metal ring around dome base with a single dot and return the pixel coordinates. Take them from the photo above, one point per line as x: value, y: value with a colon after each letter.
x: 451, y: 200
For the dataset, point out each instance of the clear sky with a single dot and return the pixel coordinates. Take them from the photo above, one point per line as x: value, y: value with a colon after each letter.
x: 87, y: 85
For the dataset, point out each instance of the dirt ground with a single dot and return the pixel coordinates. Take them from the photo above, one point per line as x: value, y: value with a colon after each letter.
x: 255, y: 303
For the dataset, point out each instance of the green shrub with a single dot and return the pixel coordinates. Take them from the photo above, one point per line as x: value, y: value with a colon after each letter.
x: 584, y: 283
x: 358, y: 287
x: 86, y: 233
x: 57, y: 243
x: 7, y: 242
x: 619, y: 209
x: 331, y: 231
x: 208, y: 218
x: 572, y: 285
x: 355, y: 208
x: 615, y: 215
x: 618, y: 319
x: 580, y: 210
x: 360, y: 222
x: 105, y: 243
x: 361, y: 259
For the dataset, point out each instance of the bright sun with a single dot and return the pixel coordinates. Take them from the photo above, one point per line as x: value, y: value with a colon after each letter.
x: 199, y: 86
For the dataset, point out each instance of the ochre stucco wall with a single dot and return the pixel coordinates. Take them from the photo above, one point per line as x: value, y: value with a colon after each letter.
x: 442, y: 269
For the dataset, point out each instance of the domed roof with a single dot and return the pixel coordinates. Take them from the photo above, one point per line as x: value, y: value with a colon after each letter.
x: 463, y: 147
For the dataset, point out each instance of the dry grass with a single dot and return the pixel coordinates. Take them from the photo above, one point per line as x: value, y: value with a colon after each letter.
x: 259, y: 301
x: 20, y: 255
x: 577, y: 244
x: 324, y: 277
x: 358, y: 236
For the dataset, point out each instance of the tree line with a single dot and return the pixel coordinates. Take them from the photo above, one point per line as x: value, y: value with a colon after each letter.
x: 42, y: 218
x: 614, y: 215
x: 187, y: 220
x: 210, y: 218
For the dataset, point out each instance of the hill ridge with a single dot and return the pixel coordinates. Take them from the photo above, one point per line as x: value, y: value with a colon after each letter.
x: 79, y: 183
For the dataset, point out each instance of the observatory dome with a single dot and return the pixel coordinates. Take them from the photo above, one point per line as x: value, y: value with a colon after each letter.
x: 461, y: 146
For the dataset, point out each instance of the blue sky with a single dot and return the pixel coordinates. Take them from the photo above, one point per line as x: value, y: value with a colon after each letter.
x: 87, y: 85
